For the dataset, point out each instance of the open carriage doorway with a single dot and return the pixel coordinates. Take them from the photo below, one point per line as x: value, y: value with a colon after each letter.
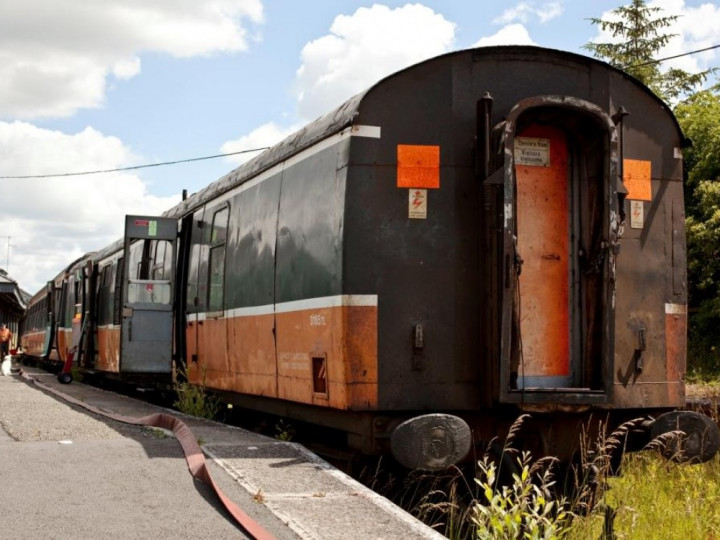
x: 563, y: 190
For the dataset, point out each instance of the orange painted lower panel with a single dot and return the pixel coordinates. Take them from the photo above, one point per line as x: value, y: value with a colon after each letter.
x: 33, y: 343
x: 64, y: 336
x: 238, y: 354
x: 676, y: 356
x: 108, y: 349
x: 346, y: 337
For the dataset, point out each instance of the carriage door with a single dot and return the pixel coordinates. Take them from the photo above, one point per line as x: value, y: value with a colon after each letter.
x: 562, y: 301
x: 542, y: 242
x: 50, y: 320
x: 195, y: 253
x: 147, y: 316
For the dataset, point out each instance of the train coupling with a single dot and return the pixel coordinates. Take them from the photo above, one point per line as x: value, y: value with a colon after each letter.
x: 431, y: 442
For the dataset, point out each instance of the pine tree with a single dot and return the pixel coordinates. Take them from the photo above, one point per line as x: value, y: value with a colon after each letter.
x: 640, y: 30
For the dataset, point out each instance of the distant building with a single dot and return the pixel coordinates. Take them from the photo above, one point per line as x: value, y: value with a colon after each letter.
x: 13, y: 302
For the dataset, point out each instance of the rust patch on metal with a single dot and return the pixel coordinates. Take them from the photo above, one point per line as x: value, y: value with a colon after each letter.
x: 676, y: 351
x: 360, y: 350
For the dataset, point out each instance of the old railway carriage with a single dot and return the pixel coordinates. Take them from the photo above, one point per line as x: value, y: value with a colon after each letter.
x: 53, y: 318
x: 487, y: 232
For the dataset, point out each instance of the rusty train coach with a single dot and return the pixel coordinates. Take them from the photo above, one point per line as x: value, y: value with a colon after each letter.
x: 488, y: 232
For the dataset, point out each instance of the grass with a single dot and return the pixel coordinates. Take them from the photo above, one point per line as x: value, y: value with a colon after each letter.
x: 703, y: 388
x: 194, y: 400
x: 523, y: 509
x: 659, y: 499
x: 653, y: 498
x: 283, y: 431
x: 155, y: 432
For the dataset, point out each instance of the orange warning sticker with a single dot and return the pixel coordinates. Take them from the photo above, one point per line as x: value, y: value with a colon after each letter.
x: 418, y: 166
x: 636, y: 177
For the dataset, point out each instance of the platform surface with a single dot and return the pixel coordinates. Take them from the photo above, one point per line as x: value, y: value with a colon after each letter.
x: 69, y: 473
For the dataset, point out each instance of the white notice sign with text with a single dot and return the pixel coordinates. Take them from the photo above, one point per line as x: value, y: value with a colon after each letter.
x: 532, y: 151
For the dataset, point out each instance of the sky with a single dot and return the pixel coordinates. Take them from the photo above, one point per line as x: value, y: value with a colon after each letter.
x: 88, y: 85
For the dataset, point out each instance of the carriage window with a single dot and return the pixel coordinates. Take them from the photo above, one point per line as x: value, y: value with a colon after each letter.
x: 106, y: 276
x: 150, y: 272
x: 163, y: 260
x: 216, y: 278
x: 136, y: 260
x: 117, y: 290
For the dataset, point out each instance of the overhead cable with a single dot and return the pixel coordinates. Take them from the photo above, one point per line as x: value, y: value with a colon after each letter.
x: 650, y: 62
x: 119, y: 169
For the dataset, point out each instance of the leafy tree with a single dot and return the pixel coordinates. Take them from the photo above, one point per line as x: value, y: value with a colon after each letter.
x: 699, y: 118
x: 640, y: 32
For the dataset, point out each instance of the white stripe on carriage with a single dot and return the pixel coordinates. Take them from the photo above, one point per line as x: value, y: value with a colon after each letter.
x: 343, y: 300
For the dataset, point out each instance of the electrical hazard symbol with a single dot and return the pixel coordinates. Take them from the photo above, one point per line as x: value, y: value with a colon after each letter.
x: 637, y: 215
x: 417, y: 203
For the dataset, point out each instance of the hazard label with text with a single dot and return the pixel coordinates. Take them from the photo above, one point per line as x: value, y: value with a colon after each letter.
x: 417, y: 204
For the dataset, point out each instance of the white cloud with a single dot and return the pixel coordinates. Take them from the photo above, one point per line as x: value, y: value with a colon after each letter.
x: 360, y: 49
x: 51, y: 220
x: 695, y: 28
x: 364, y: 47
x: 83, y: 43
x: 126, y: 68
x: 264, y: 136
x: 525, y: 12
x: 512, y: 34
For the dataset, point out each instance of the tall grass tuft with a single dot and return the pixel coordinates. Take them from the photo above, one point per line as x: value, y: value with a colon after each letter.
x: 656, y: 497
x: 509, y: 495
x: 659, y: 499
x: 193, y: 399
x: 523, y: 509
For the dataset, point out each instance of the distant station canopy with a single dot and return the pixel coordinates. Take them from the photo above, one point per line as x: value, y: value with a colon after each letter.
x: 13, y: 302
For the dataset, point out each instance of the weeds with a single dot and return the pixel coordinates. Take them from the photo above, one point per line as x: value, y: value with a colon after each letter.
x: 524, y: 509
x: 193, y: 399
x: 284, y: 432
x: 77, y: 375
x: 451, y: 513
x: 514, y: 495
x: 155, y: 432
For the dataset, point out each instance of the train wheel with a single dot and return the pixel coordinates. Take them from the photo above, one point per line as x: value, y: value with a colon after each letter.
x: 698, y: 442
x: 65, y: 378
